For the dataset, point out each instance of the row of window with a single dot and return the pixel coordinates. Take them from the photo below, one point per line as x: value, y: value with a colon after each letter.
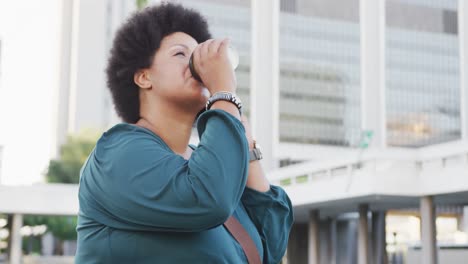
x: 320, y: 69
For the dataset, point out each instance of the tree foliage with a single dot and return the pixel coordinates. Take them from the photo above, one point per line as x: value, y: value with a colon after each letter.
x: 66, y: 169
x: 141, y: 3
x: 73, y: 155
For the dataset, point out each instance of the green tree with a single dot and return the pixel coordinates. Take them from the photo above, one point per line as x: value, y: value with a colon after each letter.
x: 141, y: 3
x: 66, y: 169
x: 73, y: 154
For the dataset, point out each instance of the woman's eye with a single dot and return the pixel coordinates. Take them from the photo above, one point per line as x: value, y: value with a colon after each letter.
x: 178, y: 53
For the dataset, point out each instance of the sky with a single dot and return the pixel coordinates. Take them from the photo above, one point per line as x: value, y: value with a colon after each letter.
x: 29, y: 32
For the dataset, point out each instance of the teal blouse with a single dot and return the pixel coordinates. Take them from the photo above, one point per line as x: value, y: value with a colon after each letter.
x: 142, y: 203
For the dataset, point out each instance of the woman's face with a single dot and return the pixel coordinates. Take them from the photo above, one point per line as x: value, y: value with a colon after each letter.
x: 170, y: 77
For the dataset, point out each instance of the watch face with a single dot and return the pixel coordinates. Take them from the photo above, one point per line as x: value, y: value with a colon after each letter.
x: 259, y: 154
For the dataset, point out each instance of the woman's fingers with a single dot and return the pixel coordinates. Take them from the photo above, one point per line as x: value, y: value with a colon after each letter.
x: 213, y: 66
x: 196, y: 57
x: 224, y: 46
x: 199, y: 55
x: 204, y: 49
x: 213, y: 47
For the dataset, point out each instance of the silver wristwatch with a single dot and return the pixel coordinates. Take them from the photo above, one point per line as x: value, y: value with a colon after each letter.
x: 224, y: 96
x: 255, y: 153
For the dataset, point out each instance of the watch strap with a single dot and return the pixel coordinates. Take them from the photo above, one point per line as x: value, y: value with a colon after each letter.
x: 255, y: 153
x: 224, y: 96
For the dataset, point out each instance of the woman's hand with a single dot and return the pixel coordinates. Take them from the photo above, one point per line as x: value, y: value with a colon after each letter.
x: 212, y: 65
x: 256, y: 179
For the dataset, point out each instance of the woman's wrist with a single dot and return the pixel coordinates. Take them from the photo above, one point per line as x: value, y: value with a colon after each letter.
x: 257, y: 179
x: 228, y: 107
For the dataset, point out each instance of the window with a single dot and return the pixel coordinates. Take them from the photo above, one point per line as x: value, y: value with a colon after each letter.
x: 320, y: 73
x: 288, y: 6
x: 422, y: 72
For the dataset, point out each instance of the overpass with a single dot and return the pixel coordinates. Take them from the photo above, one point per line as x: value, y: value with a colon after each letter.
x: 375, y: 181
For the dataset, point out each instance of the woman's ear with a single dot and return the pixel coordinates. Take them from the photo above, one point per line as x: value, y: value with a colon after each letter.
x: 142, y: 79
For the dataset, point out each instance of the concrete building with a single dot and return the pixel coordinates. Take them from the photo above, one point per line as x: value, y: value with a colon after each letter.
x: 30, y: 74
x: 1, y: 160
x: 1, y: 139
x: 88, y: 28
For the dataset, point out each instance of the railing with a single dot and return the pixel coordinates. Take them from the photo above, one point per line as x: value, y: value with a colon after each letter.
x: 442, y: 155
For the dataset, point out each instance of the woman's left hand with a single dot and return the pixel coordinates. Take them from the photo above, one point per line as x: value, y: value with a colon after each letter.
x: 256, y: 179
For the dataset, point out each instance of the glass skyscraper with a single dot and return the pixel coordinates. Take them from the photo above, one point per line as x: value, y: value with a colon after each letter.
x: 320, y: 68
x: 422, y: 72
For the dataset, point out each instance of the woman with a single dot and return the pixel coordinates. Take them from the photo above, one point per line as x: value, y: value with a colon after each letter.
x: 145, y: 195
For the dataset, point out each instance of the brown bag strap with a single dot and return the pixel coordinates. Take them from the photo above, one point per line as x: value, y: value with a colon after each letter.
x: 240, y: 234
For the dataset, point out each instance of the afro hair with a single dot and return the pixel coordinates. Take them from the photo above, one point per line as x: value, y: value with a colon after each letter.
x: 135, y: 45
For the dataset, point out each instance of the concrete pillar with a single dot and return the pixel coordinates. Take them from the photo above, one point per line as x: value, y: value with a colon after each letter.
x: 297, y: 244
x: 463, y: 225
x: 463, y: 40
x: 264, y: 79
x: 314, y: 241
x: 428, y: 231
x: 379, y: 244
x: 372, y: 25
x: 363, y: 235
x: 332, y: 242
x: 16, y: 242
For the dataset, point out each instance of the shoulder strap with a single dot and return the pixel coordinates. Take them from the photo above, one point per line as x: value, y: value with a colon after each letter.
x: 240, y: 234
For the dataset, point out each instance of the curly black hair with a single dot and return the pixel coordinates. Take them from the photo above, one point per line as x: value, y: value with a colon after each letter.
x: 135, y: 45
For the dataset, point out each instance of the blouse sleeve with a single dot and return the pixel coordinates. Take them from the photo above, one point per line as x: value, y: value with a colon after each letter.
x: 138, y: 184
x: 272, y: 214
